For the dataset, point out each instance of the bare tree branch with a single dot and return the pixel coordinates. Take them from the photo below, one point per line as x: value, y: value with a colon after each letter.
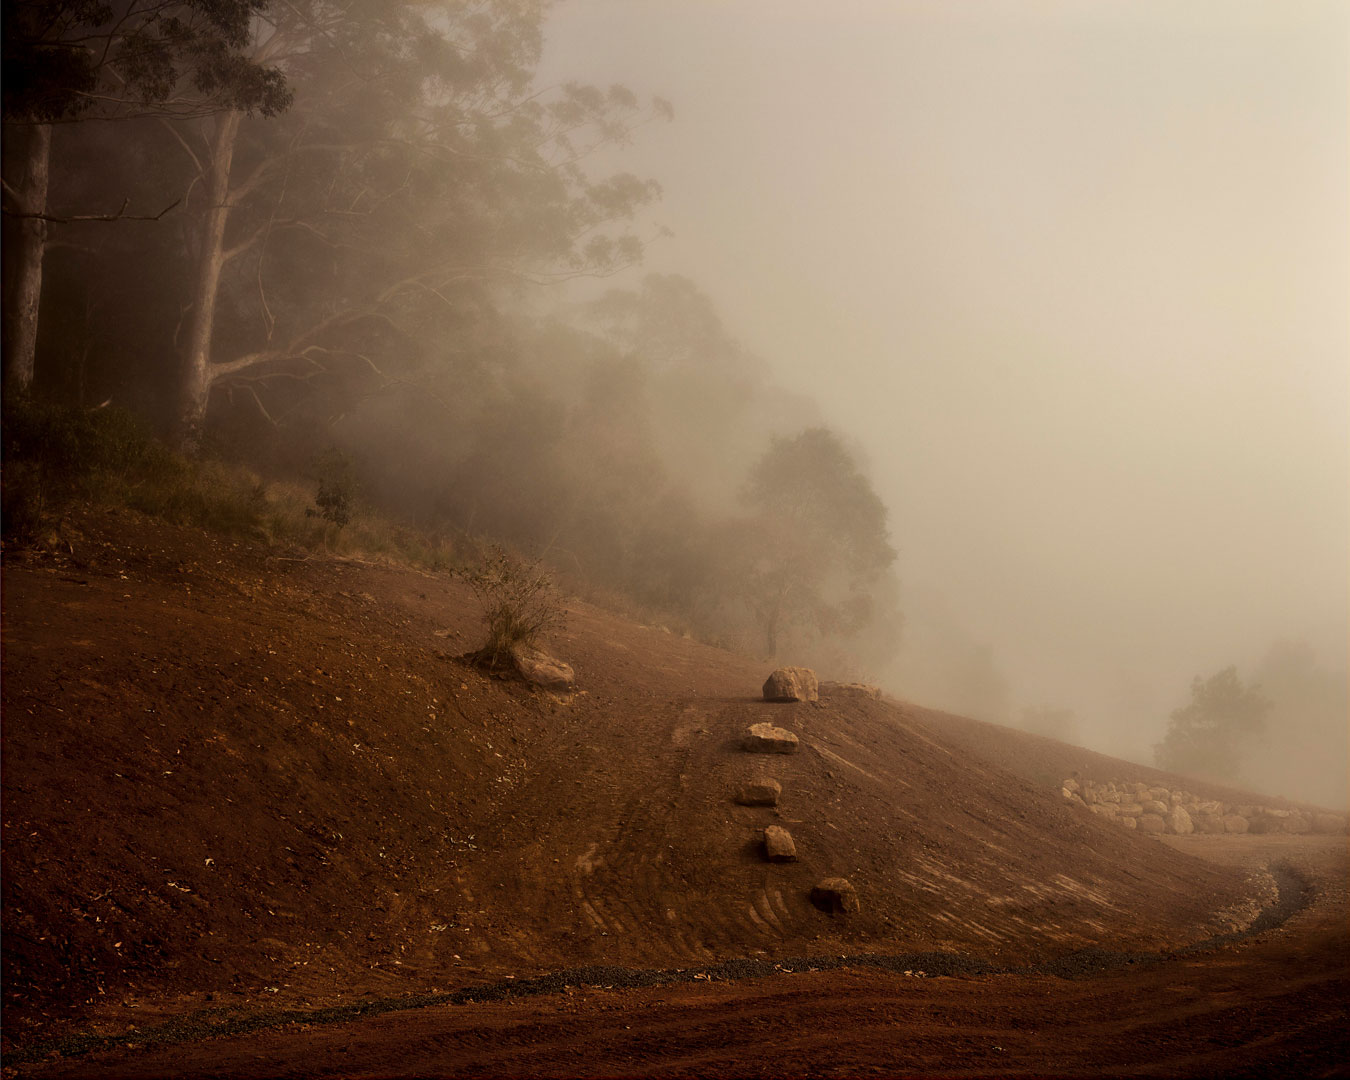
x: 121, y: 215
x: 201, y: 169
x: 259, y: 233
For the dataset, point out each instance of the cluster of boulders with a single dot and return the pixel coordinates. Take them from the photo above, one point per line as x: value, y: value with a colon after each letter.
x: 1154, y: 809
x: 833, y: 895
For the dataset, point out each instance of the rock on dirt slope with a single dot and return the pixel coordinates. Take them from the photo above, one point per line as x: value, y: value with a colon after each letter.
x: 238, y: 775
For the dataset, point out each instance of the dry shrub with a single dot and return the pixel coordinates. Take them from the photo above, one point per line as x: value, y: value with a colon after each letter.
x: 519, y: 602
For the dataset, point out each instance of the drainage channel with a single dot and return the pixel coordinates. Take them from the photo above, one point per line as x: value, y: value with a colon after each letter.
x: 1294, y: 894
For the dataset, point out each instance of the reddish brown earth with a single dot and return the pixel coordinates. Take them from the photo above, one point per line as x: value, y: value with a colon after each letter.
x: 238, y: 781
x: 1272, y: 1007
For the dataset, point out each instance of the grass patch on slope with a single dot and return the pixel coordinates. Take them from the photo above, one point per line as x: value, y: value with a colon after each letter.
x: 56, y: 458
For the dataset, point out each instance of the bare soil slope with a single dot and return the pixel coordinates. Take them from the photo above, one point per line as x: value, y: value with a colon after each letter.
x: 1276, y: 1006
x: 243, y: 776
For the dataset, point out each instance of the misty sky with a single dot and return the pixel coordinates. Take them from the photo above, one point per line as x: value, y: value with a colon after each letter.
x: 1074, y: 275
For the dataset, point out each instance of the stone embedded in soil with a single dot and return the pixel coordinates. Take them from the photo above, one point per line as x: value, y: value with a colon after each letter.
x: 1179, y: 822
x: 762, y: 792
x: 1263, y: 823
x: 865, y: 689
x: 1235, y: 823
x: 792, y: 684
x: 764, y: 738
x: 537, y: 667
x: 1209, y: 823
x: 778, y: 845
x: 836, y: 896
x: 1152, y: 823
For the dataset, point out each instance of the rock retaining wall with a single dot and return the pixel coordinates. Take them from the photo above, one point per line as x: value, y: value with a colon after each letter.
x: 1160, y: 810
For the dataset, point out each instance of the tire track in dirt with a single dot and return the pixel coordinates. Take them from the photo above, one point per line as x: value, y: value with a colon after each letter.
x: 620, y: 883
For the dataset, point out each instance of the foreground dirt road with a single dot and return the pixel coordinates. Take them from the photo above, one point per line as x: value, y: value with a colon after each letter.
x: 1274, y: 1005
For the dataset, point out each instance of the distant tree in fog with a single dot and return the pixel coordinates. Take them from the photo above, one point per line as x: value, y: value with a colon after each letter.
x: 713, y: 403
x: 1303, y: 749
x: 1207, y: 735
x: 818, y: 539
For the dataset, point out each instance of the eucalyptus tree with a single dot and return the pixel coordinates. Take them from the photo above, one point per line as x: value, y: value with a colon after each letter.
x: 66, y: 61
x: 420, y: 172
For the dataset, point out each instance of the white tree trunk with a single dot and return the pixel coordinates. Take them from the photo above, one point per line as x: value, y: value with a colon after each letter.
x: 27, y: 164
x: 195, y: 387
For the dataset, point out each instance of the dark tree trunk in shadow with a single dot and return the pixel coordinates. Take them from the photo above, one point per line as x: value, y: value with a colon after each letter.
x: 26, y: 167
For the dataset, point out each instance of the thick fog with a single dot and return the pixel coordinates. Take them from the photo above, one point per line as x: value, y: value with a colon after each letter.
x: 1074, y: 278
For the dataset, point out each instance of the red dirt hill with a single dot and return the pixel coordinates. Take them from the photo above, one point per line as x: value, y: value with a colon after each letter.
x: 263, y: 777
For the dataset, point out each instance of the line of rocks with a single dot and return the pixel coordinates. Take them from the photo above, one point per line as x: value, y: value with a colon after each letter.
x: 835, y: 895
x: 1155, y: 809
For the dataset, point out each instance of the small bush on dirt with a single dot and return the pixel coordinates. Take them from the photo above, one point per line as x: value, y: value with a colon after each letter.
x: 519, y: 602
x: 337, y: 487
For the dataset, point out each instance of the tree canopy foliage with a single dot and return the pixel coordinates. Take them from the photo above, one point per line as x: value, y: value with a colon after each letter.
x: 68, y: 60
x: 83, y: 60
x: 365, y: 201
x: 1207, y: 736
x: 822, y: 536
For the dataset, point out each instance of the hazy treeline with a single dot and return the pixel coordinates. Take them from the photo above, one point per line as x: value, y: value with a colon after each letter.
x: 277, y: 229
x: 1275, y: 721
x: 1280, y: 729
x: 1304, y: 746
